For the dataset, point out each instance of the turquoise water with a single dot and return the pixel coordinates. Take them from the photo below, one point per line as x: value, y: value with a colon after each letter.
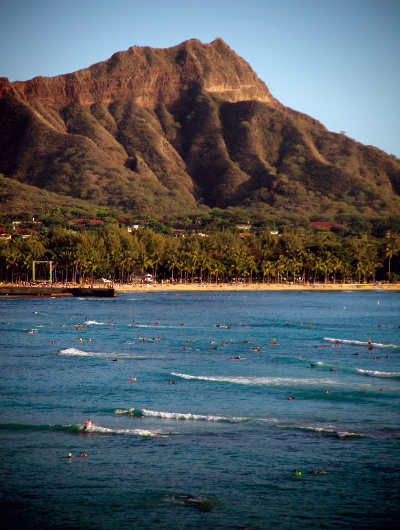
x: 218, y: 449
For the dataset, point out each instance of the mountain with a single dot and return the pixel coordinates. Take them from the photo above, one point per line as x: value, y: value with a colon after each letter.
x: 177, y: 130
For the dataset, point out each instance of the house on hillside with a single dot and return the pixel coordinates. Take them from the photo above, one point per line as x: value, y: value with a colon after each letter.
x: 132, y: 228
x: 3, y: 234
x: 246, y: 226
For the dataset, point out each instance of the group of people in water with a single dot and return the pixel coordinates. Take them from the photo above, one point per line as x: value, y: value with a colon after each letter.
x: 312, y: 472
x: 133, y: 415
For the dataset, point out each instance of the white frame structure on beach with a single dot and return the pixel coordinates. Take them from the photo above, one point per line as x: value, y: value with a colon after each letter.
x: 49, y: 279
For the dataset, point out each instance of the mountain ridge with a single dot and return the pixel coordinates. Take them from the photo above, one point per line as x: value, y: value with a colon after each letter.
x: 107, y: 81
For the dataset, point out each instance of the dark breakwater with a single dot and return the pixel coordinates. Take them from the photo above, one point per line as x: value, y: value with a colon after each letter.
x: 57, y: 291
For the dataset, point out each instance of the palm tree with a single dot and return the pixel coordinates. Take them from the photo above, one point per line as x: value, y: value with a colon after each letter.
x: 251, y: 265
x: 267, y: 267
x: 280, y: 266
x: 214, y: 267
x: 172, y: 263
x: 360, y: 269
x: 202, y: 262
x: 371, y: 265
x: 335, y: 264
x: 144, y: 262
x: 392, y: 247
x: 326, y: 264
x: 317, y: 265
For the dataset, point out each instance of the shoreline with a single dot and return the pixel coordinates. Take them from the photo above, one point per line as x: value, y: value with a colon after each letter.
x: 253, y: 287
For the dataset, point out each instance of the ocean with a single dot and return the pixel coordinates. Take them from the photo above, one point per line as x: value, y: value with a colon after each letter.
x: 191, y: 421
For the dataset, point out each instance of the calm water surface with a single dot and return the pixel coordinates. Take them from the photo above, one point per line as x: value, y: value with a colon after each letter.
x: 218, y: 448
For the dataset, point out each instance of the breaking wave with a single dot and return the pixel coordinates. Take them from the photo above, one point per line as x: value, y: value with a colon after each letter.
x: 361, y: 343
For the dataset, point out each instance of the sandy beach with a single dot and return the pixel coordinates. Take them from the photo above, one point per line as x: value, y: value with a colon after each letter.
x: 177, y: 287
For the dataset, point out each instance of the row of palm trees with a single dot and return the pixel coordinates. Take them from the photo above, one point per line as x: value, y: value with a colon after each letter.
x: 221, y: 256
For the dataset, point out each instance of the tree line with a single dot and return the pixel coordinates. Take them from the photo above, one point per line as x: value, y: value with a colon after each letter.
x: 296, y: 254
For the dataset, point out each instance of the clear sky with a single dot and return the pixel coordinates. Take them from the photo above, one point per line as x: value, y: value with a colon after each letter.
x: 336, y: 60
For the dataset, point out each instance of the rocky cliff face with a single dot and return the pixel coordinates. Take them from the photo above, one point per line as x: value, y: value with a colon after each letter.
x: 150, y: 77
x: 158, y: 130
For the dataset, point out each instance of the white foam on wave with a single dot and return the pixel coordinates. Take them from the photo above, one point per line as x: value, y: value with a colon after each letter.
x: 376, y: 373
x: 361, y: 343
x: 75, y: 352
x: 189, y: 416
x: 133, y: 432
x: 270, y: 381
x: 327, y: 430
x: 95, y: 323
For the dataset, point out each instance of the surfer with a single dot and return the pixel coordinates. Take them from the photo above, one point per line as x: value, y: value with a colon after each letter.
x: 87, y: 424
x: 83, y: 454
x: 298, y: 473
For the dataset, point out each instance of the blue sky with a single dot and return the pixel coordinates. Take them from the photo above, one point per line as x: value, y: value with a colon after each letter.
x: 336, y: 60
